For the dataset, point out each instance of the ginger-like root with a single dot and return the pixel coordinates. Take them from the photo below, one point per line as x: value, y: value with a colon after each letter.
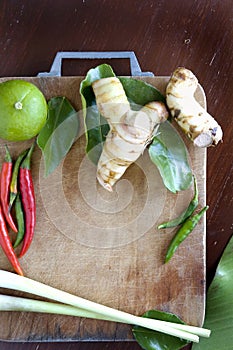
x: 130, y: 131
x: 193, y: 119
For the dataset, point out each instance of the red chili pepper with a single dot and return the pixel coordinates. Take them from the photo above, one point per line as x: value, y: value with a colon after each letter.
x: 5, y: 189
x: 28, y: 201
x: 6, y: 245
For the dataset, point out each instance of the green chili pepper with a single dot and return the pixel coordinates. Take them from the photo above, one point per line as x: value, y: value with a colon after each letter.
x: 20, y: 220
x: 14, y: 178
x: 183, y: 232
x: 187, y: 213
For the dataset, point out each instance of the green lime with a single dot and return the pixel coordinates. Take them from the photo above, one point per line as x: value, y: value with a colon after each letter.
x: 23, y: 110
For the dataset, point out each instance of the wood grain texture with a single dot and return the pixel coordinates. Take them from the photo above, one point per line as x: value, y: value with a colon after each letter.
x: 111, y: 251
x: 164, y: 34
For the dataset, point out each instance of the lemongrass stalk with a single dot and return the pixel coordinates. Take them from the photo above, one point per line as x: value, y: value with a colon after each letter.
x: 10, y: 303
x: 9, y: 280
x: 12, y: 281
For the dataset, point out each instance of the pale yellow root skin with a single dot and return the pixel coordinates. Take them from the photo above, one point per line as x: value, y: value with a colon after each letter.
x: 130, y: 131
x: 194, y: 120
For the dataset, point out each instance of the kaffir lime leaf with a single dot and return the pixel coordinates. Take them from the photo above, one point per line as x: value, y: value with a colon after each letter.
x: 23, y: 110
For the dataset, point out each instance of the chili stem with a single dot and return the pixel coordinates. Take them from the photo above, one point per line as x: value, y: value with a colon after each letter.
x: 186, y: 213
x: 27, y: 160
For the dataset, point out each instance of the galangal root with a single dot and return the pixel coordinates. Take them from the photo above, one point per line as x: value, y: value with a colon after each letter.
x: 130, y: 131
x: 194, y: 120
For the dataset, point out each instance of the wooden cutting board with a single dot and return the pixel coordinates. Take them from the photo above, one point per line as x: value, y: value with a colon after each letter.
x: 105, y: 246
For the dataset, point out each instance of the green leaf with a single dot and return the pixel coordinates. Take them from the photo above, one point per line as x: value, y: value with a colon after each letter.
x: 96, y: 126
x: 97, y: 129
x: 152, y: 340
x: 59, y: 132
x: 139, y: 92
x: 168, y: 152
x: 219, y: 305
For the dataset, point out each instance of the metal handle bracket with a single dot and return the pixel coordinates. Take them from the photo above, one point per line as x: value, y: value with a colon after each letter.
x: 55, y: 70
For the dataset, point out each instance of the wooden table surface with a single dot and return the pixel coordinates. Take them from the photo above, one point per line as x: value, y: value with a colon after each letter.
x: 164, y: 34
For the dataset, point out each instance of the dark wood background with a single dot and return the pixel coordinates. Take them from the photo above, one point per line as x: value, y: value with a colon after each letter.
x: 164, y: 34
